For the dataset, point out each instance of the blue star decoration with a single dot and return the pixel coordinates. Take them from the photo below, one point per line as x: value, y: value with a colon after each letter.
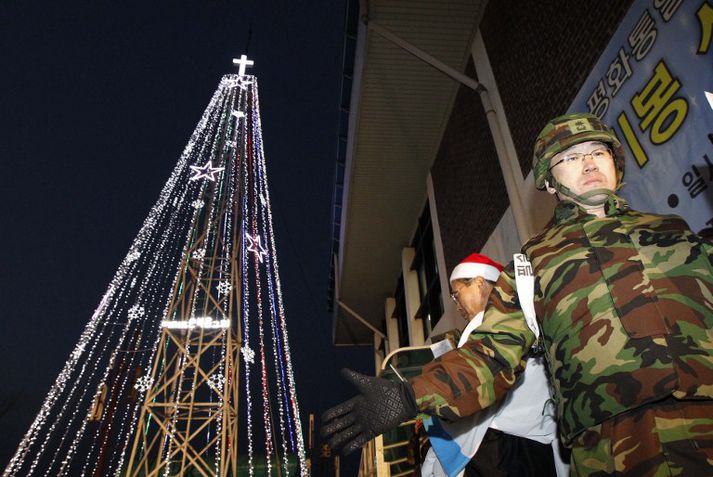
x: 206, y: 171
x: 255, y: 246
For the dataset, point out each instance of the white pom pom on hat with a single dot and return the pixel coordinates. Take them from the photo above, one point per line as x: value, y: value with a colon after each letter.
x: 477, y: 265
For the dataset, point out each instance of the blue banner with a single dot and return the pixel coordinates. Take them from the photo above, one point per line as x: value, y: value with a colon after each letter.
x: 654, y: 85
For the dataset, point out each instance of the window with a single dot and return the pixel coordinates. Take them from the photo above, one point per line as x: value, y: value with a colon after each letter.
x: 400, y: 312
x: 425, y: 265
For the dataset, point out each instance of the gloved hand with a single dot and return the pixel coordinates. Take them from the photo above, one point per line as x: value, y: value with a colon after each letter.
x: 381, y: 405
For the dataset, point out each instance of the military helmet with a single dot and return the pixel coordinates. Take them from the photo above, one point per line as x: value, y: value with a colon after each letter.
x: 566, y: 131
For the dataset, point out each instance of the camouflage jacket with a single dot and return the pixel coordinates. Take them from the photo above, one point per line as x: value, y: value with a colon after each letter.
x: 625, y: 306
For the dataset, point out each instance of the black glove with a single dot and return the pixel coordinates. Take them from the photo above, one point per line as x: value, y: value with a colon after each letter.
x: 380, y: 406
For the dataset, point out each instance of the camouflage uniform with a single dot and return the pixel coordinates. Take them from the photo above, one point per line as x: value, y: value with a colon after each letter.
x: 625, y: 308
x: 624, y: 304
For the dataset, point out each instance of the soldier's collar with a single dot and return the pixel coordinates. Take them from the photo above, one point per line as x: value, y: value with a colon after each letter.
x: 566, y: 210
x: 615, y: 205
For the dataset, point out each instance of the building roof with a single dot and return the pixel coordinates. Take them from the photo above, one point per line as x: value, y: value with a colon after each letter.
x: 398, y: 108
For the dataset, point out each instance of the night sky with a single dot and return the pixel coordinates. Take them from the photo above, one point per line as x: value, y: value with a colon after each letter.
x: 97, y: 101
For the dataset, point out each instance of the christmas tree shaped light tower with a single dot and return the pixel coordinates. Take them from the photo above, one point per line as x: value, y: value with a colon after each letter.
x: 188, y: 348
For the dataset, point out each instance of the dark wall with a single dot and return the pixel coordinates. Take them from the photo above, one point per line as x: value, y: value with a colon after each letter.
x: 468, y: 185
x: 541, y: 53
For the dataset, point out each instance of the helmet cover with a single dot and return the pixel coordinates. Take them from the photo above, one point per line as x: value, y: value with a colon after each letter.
x: 566, y: 131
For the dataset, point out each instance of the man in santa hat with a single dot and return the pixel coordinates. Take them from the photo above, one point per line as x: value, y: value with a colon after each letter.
x: 512, y: 439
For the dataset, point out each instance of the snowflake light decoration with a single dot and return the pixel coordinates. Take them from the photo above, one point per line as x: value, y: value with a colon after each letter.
x: 248, y: 354
x: 216, y: 382
x: 197, y: 204
x: 143, y: 384
x: 135, y: 312
x: 78, y: 350
x: 199, y: 254
x: 224, y: 287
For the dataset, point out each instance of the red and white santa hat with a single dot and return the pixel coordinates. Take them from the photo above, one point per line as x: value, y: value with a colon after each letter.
x: 477, y: 265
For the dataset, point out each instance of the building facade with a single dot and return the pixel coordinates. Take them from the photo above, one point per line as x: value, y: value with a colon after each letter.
x: 441, y: 105
x: 435, y: 165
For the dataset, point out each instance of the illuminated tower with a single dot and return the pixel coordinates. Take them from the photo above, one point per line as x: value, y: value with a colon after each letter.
x: 188, y: 348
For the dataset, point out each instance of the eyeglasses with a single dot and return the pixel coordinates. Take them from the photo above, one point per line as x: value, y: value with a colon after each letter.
x: 575, y: 158
x: 466, y: 283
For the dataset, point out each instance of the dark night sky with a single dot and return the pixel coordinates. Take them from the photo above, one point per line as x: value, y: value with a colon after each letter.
x: 97, y: 100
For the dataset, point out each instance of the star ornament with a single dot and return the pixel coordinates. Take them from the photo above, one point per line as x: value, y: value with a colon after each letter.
x: 255, y: 246
x: 206, y: 171
x: 242, y: 82
x: 231, y: 83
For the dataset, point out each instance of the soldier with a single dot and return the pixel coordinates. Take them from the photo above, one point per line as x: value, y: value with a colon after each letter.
x: 624, y: 304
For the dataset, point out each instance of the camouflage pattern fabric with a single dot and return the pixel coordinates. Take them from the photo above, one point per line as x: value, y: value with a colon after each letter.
x: 625, y: 306
x: 669, y: 438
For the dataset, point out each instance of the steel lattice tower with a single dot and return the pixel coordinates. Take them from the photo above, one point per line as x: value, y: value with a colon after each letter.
x: 188, y: 347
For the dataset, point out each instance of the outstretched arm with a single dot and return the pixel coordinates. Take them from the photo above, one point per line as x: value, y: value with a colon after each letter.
x: 380, y: 405
x: 457, y: 384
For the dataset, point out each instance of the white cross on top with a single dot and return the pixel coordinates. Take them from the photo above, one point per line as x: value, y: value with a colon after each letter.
x: 243, y: 62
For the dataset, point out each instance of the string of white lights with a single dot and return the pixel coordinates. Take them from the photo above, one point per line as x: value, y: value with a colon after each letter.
x: 149, y: 286
x: 301, y: 455
x: 169, y: 439
x: 280, y: 393
x: 245, y: 346
x: 81, y: 348
x: 121, y: 340
x: 257, y: 260
x: 224, y: 287
x: 163, y: 265
x: 281, y: 398
x: 215, y: 204
x: 155, y: 329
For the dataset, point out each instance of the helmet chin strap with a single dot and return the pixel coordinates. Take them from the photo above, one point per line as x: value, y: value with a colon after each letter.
x: 588, y: 198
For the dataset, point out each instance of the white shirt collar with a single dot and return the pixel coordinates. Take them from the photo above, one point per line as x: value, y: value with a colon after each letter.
x: 472, y: 325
